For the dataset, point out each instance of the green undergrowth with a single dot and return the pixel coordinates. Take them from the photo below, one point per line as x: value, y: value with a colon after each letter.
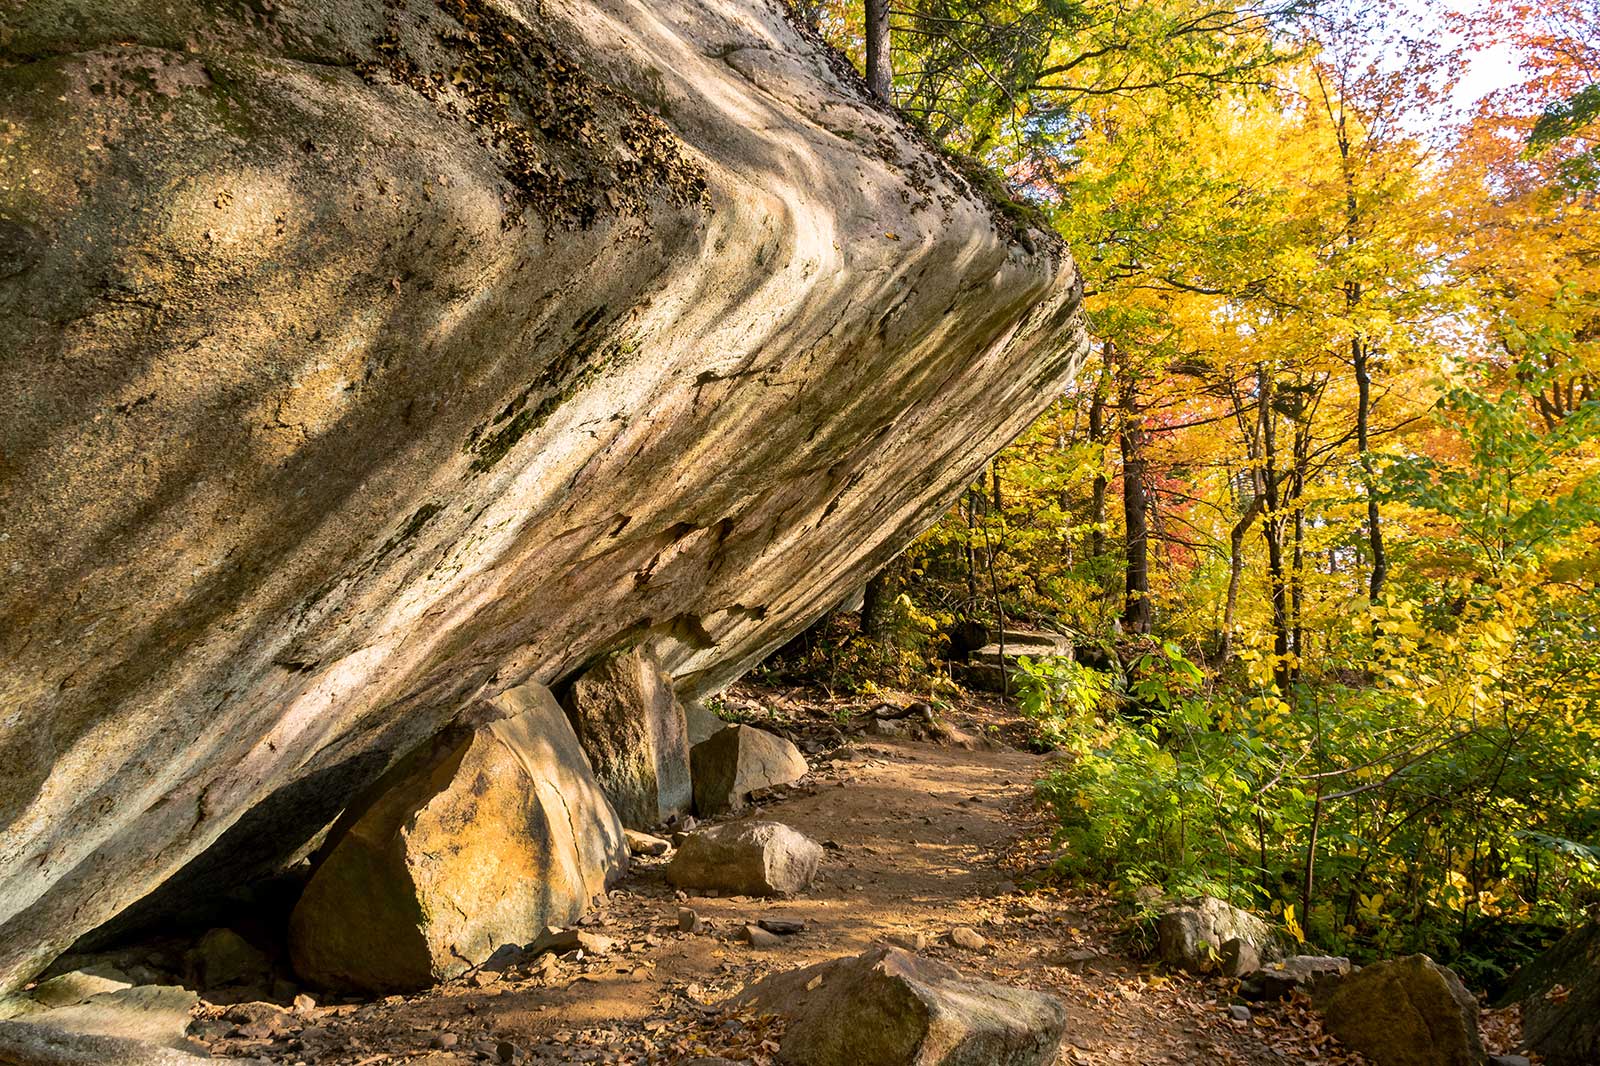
x: 1165, y: 777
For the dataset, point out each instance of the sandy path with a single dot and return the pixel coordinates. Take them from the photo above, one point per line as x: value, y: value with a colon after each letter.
x: 916, y: 839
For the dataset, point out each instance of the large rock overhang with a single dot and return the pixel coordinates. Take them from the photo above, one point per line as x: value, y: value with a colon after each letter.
x: 329, y: 399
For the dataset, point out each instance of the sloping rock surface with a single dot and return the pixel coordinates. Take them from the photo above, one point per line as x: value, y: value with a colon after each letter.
x: 75, y: 986
x: 372, y: 353
x: 482, y: 839
x: 31, y: 1045
x: 152, y: 1014
x: 632, y: 727
x: 1560, y: 996
x: 888, y: 1007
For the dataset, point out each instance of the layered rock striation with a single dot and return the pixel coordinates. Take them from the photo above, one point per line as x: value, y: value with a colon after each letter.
x: 363, y: 359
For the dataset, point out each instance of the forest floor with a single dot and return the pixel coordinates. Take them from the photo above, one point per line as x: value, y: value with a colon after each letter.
x: 919, y: 839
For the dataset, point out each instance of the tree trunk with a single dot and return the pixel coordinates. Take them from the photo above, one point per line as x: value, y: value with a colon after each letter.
x: 1097, y: 435
x: 1360, y: 354
x: 877, y: 602
x: 1360, y: 364
x: 1272, y: 530
x: 971, y: 505
x: 1297, y: 488
x: 1136, y: 610
x: 880, y: 72
x: 1235, y: 572
x: 1308, y: 875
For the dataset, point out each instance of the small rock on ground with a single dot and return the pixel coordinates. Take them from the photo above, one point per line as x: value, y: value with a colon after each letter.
x: 968, y: 938
x: 758, y: 937
x: 562, y: 941
x: 746, y: 858
x: 854, y: 1012
x: 645, y: 844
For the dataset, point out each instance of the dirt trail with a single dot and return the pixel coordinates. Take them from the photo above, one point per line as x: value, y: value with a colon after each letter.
x: 919, y: 839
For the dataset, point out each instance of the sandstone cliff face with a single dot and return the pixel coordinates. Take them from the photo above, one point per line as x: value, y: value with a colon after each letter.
x: 364, y: 356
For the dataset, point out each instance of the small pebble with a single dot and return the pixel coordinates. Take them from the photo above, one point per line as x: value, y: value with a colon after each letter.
x: 966, y: 937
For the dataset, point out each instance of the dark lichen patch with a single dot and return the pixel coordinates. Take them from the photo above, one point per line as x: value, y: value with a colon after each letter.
x: 133, y: 405
x: 590, y: 319
x: 574, y: 369
x: 419, y: 518
x: 413, y: 525
x: 570, y: 147
x: 491, y: 449
x: 560, y: 381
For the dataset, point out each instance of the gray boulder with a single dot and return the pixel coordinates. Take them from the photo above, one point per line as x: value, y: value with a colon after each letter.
x: 1190, y: 934
x: 1560, y: 996
x: 737, y: 761
x: 151, y: 1014
x: 632, y: 727
x: 746, y: 859
x: 645, y: 844
x: 888, y: 1007
x: 1404, y: 1012
x: 988, y: 666
x: 32, y: 1045
x: 1278, y: 980
x: 485, y: 837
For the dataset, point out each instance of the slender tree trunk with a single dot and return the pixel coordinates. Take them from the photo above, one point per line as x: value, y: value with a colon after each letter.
x: 999, y: 622
x: 1297, y: 488
x: 1360, y: 354
x: 1314, y: 831
x: 972, y: 552
x: 877, y: 602
x: 1360, y: 363
x: 1235, y: 573
x: 880, y: 72
x: 1297, y: 593
x: 1097, y: 435
x: 1309, y: 873
x: 1272, y: 530
x: 1136, y: 611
